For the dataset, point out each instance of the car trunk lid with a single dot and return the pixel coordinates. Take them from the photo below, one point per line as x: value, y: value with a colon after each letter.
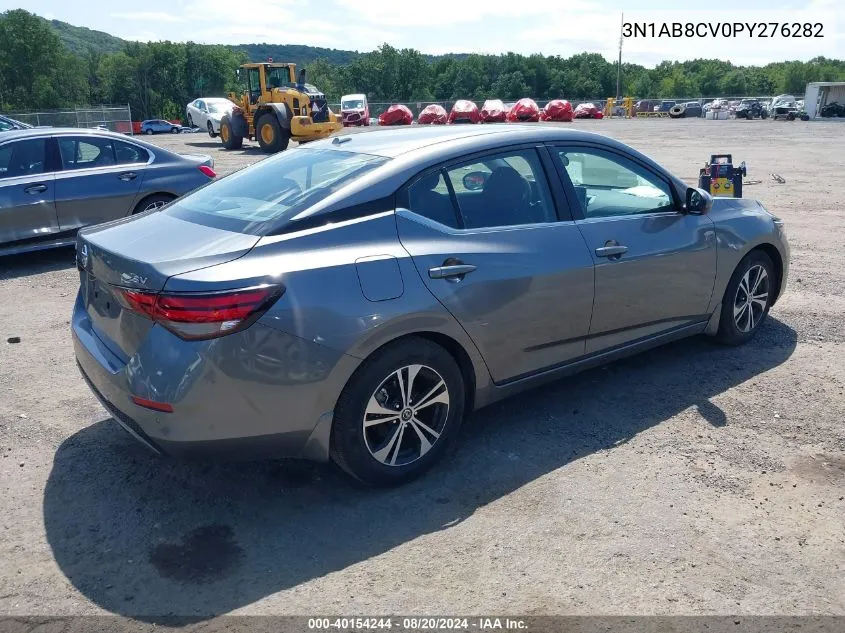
x: 199, y: 159
x: 142, y: 253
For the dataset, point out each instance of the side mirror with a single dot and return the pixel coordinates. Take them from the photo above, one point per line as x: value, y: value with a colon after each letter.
x: 474, y: 180
x: 698, y: 201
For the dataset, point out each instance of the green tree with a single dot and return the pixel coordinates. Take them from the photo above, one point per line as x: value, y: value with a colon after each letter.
x: 36, y: 70
x: 733, y: 84
x: 510, y: 86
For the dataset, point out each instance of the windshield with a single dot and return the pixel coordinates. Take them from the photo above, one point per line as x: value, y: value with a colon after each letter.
x: 219, y: 107
x: 354, y: 104
x: 274, y: 190
x: 278, y: 77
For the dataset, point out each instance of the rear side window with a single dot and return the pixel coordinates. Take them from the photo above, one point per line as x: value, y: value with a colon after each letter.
x: 127, y: 154
x: 78, y: 153
x: 23, y: 158
x: 506, y: 189
x: 274, y: 190
x: 429, y: 197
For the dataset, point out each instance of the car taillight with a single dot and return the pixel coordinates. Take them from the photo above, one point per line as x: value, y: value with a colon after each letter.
x: 197, y: 316
x: 208, y: 171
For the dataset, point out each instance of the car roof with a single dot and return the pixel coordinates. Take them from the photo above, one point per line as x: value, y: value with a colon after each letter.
x: 11, y: 135
x: 357, y: 95
x: 394, y: 142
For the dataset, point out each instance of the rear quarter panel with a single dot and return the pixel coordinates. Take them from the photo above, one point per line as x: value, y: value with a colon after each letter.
x: 322, y: 271
x: 171, y: 176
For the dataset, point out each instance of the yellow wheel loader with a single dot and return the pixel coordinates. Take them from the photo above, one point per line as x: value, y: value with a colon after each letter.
x: 275, y: 108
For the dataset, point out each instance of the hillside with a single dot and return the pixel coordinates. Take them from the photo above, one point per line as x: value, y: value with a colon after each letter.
x: 80, y: 40
x: 297, y: 53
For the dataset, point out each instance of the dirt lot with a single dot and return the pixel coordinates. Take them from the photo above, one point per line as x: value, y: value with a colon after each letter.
x: 691, y: 479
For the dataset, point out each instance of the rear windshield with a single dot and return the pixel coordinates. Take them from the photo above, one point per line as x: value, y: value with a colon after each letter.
x: 276, y: 189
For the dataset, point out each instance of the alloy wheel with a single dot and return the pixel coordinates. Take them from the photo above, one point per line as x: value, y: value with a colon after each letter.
x: 156, y: 204
x: 406, y: 415
x: 752, y: 298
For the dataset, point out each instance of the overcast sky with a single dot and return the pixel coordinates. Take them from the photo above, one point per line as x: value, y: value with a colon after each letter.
x: 487, y: 26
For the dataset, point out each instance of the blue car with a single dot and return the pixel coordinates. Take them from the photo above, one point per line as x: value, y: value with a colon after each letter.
x: 159, y: 126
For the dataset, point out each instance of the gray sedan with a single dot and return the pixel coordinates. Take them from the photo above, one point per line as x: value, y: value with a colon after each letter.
x: 55, y: 181
x: 354, y: 299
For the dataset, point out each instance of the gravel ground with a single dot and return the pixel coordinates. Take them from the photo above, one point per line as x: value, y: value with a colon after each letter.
x: 692, y: 479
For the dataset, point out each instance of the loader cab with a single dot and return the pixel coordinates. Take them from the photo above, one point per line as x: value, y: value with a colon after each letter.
x: 279, y: 76
x: 261, y: 79
x: 253, y: 79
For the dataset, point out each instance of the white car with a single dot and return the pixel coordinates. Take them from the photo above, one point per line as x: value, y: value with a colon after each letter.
x: 206, y: 113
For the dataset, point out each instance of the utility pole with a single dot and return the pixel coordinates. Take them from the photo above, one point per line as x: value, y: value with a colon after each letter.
x: 619, y: 64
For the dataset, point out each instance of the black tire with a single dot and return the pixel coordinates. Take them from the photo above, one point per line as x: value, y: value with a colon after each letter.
x: 190, y: 121
x: 271, y: 136
x: 764, y: 115
x: 349, y: 445
x: 677, y: 111
x: 174, y: 130
x: 227, y: 135
x: 790, y: 116
x: 149, y: 131
x: 152, y: 202
x: 732, y: 328
x: 211, y: 131
x: 805, y: 117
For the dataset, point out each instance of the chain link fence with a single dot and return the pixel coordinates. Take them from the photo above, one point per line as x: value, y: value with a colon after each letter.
x: 111, y: 117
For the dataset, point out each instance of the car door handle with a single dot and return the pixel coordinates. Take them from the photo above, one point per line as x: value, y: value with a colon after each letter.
x: 450, y: 272
x: 613, y: 252
x: 127, y: 176
x: 33, y: 189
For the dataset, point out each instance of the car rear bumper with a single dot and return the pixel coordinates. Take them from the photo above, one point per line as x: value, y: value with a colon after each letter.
x: 256, y: 394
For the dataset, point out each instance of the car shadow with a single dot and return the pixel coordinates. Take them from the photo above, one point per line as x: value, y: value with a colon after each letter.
x: 36, y: 262
x: 148, y: 537
x: 216, y: 144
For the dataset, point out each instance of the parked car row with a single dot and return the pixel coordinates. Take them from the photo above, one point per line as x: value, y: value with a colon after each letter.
x: 492, y: 111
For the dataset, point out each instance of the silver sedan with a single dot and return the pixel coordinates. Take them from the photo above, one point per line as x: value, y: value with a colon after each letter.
x: 356, y: 298
x: 55, y: 181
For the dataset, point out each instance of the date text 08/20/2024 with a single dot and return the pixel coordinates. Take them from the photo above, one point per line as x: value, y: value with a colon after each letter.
x: 417, y: 624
